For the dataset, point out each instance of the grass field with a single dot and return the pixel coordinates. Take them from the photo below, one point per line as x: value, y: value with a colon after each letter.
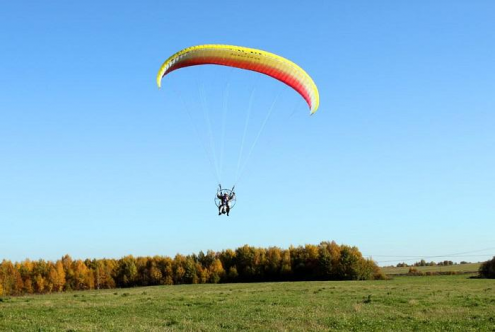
x: 459, y: 268
x: 436, y: 303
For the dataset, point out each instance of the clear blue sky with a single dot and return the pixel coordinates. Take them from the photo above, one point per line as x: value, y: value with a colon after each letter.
x: 399, y: 160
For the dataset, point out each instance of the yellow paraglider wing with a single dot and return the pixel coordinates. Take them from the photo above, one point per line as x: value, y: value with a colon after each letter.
x: 259, y: 61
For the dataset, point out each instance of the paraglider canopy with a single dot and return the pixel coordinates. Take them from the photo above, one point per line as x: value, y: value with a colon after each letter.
x: 256, y: 60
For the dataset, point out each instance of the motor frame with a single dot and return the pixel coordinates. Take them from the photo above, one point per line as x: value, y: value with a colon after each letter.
x: 231, y: 203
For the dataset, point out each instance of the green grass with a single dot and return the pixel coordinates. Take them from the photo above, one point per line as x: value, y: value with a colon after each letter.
x: 438, y: 303
x: 459, y: 268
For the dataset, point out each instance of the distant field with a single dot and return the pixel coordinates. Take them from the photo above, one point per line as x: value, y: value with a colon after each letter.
x: 444, y: 303
x: 461, y: 268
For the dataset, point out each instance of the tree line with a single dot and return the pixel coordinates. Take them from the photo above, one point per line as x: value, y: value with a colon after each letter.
x: 326, y: 261
x: 425, y: 263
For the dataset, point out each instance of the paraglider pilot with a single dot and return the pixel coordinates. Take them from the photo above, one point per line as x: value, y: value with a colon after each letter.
x: 224, y: 207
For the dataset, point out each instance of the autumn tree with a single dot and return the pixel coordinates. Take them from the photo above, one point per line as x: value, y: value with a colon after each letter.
x: 126, y: 272
x: 245, y: 263
x: 217, y: 272
x: 179, y: 270
x: 228, y: 259
x: 273, y: 263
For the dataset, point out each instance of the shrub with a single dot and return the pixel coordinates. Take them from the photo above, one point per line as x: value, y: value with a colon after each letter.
x: 415, y: 272
x: 487, y: 269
